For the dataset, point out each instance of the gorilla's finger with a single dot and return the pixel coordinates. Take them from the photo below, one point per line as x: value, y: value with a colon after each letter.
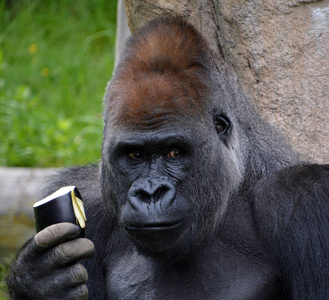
x: 78, y: 293
x: 66, y: 278
x: 56, y: 234
x: 77, y: 274
x: 69, y: 252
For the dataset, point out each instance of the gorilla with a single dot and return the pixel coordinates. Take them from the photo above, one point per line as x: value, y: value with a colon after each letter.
x: 196, y: 196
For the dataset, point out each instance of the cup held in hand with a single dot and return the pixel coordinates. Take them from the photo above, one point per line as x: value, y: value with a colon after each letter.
x: 65, y: 205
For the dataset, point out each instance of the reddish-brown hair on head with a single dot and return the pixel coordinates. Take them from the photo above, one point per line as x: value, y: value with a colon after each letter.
x: 161, y: 74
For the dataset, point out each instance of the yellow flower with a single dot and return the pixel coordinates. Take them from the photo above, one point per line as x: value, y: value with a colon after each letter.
x: 33, y: 48
x: 45, y: 72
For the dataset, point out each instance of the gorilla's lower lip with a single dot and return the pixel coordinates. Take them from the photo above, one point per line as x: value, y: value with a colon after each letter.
x: 163, y: 226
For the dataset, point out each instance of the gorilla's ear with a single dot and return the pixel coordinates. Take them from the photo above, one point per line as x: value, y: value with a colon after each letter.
x: 222, y: 124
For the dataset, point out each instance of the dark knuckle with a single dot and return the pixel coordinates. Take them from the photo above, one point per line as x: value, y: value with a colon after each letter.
x: 59, y: 254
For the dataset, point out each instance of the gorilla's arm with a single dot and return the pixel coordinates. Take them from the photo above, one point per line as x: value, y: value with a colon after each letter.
x: 292, y: 212
x: 45, y: 267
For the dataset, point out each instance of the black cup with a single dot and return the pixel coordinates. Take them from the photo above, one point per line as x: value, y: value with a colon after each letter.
x: 58, y: 210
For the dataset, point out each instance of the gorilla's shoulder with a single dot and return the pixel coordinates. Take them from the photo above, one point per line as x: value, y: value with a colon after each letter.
x: 85, y: 178
x: 303, y: 178
x: 300, y: 190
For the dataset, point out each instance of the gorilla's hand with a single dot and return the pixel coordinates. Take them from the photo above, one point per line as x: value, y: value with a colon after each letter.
x: 46, y: 268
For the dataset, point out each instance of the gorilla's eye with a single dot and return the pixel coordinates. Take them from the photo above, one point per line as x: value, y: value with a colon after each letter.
x: 174, y: 153
x: 135, y: 155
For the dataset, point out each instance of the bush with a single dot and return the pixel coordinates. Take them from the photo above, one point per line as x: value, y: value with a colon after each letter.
x: 55, y: 60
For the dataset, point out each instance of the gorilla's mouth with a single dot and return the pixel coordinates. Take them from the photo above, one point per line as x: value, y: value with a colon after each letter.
x: 157, y: 226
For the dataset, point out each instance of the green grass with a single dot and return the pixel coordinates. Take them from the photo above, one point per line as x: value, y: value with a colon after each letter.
x: 56, y: 58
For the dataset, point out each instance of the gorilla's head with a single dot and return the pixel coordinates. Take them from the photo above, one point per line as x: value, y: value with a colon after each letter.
x: 170, y: 162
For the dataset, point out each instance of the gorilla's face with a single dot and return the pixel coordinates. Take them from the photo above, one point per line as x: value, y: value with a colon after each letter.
x: 154, y: 167
x: 166, y: 184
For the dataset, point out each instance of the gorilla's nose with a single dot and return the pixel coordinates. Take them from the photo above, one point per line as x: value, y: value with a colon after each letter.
x: 159, y: 191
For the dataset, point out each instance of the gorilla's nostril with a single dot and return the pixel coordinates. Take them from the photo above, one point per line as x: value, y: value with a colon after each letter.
x: 144, y: 196
x: 159, y: 193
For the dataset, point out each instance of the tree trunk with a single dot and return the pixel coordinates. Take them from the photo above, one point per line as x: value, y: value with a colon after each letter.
x: 279, y: 50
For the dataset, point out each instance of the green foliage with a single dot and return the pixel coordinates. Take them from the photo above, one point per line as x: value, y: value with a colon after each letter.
x: 4, y: 267
x: 56, y: 58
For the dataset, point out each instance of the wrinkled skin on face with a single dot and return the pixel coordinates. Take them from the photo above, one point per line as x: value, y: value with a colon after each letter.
x: 159, y: 202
